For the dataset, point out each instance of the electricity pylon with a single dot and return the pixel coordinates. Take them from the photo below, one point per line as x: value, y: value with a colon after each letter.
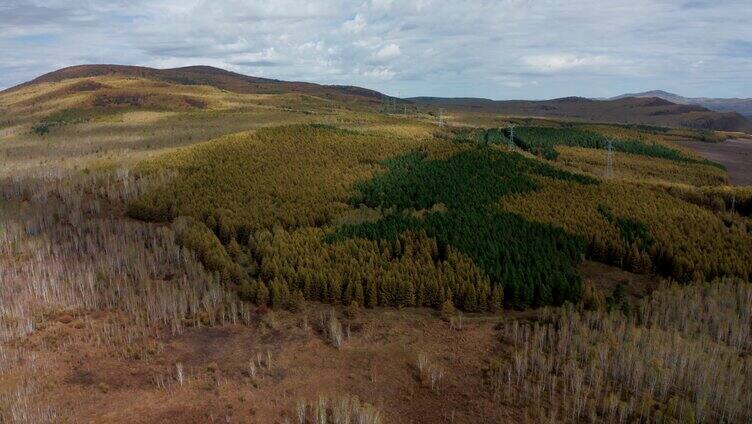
x: 510, y: 142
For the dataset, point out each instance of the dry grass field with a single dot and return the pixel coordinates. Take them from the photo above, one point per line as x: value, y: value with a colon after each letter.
x: 734, y: 154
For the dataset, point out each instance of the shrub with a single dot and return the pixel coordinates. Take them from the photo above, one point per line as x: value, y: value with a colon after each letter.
x: 195, y: 236
x: 334, y: 330
x: 448, y: 310
x: 41, y: 128
x: 592, y: 298
x: 336, y: 410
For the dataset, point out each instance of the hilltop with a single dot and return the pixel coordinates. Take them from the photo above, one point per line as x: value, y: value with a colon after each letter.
x: 741, y: 106
x: 203, y: 75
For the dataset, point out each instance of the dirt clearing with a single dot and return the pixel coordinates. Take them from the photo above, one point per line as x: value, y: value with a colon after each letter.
x: 735, y: 155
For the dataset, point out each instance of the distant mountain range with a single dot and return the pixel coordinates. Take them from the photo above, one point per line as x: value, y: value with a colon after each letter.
x: 652, y: 108
x: 625, y: 110
x: 742, y: 106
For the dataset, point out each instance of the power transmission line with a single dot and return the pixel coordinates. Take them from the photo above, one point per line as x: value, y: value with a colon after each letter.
x: 510, y: 141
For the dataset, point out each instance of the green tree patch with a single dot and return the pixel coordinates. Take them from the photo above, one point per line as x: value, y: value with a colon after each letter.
x: 535, y: 263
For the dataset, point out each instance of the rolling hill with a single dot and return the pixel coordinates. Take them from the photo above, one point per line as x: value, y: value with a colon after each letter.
x: 660, y: 109
x: 742, y: 106
x: 207, y: 75
x: 240, y: 249
x: 628, y: 110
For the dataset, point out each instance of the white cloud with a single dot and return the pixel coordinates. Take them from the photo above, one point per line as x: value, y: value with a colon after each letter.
x: 492, y: 48
x: 563, y: 62
x: 389, y: 51
x: 355, y: 25
x: 382, y: 4
x: 519, y: 84
x: 379, y: 73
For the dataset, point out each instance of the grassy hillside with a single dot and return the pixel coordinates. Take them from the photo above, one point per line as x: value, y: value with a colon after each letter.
x: 742, y: 106
x: 631, y: 110
x: 114, y: 117
x: 208, y: 76
x: 225, y: 252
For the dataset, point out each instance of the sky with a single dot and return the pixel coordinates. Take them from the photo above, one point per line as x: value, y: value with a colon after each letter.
x: 504, y: 49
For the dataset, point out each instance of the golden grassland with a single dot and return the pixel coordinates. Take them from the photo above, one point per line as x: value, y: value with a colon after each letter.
x: 127, y: 133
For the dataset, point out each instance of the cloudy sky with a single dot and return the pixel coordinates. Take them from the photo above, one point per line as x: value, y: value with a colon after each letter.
x: 499, y: 49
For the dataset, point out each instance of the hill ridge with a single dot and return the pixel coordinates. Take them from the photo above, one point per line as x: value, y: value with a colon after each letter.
x: 627, y: 110
x: 733, y: 104
x: 204, y: 75
x: 651, y: 110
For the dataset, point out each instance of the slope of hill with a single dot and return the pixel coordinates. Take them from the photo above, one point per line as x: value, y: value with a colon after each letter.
x: 631, y: 110
x: 225, y: 253
x: 742, y: 106
x: 662, y: 109
x: 207, y: 75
